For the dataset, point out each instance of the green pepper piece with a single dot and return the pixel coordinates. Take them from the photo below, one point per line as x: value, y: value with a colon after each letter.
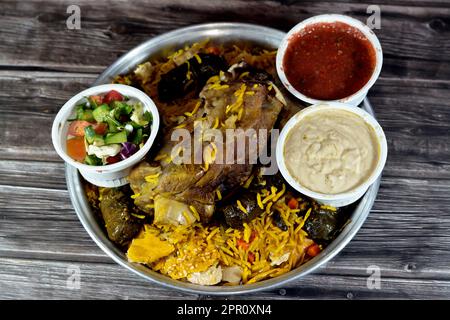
x: 101, y: 112
x: 121, y: 108
x: 148, y: 117
x: 118, y: 137
x: 137, y: 138
x: 113, y: 124
x: 135, y: 125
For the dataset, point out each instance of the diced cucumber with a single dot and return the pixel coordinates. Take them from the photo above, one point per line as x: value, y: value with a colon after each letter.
x: 101, y: 112
x: 85, y: 115
x: 92, y: 137
x: 98, y: 141
x: 92, y: 103
x: 119, y: 137
x: 92, y: 160
x: 88, y: 116
x: 79, y: 109
x: 89, y: 134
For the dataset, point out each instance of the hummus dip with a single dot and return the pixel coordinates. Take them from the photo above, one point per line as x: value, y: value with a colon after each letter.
x: 331, y: 151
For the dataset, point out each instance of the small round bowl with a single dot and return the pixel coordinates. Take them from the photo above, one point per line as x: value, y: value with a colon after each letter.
x: 112, y: 175
x: 344, y: 198
x: 354, y: 99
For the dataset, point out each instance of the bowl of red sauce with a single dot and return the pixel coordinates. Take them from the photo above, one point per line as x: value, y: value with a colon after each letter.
x: 329, y: 57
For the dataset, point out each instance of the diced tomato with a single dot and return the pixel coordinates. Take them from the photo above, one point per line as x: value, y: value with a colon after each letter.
x: 97, y: 99
x: 100, y: 128
x: 76, y: 128
x: 251, y: 257
x: 213, y: 50
x: 111, y: 96
x: 243, y: 244
x: 114, y: 159
x: 76, y: 149
x: 313, y: 250
x: 293, y: 203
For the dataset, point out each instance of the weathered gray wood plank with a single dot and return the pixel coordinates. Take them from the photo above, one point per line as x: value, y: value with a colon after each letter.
x: 36, y: 279
x: 41, y: 223
x: 33, y: 174
x: 30, y: 101
x: 34, y: 34
x: 23, y: 279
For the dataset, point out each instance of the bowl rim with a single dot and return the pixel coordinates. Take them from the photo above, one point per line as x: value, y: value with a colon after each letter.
x: 328, y: 18
x: 257, y: 33
x: 67, y: 109
x: 323, y: 106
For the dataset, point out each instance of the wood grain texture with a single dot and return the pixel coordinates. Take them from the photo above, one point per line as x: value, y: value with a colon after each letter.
x: 22, y: 278
x: 415, y: 38
x: 406, y: 234
x: 37, y: 96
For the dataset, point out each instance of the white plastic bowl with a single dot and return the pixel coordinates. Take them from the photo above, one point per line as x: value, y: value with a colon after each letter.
x: 340, y: 199
x: 112, y: 175
x: 354, y: 99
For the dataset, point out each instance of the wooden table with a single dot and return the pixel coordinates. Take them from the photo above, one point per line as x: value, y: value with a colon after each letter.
x: 42, y: 64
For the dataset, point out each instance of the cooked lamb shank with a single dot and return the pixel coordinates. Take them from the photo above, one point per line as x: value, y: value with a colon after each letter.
x: 180, y: 193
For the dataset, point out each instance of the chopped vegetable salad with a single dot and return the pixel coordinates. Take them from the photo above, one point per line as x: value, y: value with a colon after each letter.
x: 107, y: 129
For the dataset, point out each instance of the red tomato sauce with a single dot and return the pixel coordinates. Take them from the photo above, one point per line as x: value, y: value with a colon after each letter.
x: 329, y: 61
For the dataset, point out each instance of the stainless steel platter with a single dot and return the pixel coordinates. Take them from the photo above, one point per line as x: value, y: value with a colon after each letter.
x: 161, y: 45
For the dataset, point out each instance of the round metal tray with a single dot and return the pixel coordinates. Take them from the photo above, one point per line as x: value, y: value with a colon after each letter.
x: 217, y: 32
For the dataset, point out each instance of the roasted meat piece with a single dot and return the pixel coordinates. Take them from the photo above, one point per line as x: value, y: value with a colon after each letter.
x: 236, y: 102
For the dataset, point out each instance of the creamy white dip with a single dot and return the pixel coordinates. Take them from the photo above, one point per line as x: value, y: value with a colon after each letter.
x: 331, y: 151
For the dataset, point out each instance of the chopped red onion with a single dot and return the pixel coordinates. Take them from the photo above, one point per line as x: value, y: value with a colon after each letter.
x: 128, y: 149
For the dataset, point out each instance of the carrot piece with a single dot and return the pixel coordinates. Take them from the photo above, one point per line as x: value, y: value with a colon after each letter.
x: 213, y: 50
x: 313, y: 250
x: 243, y: 244
x: 76, y: 149
x: 293, y: 203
